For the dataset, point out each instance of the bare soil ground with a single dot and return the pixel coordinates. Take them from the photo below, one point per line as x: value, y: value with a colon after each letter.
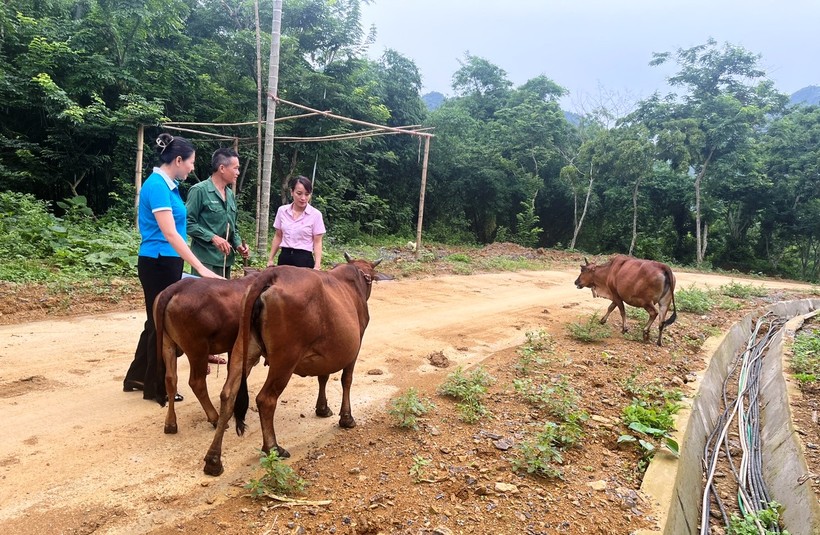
x: 80, y: 456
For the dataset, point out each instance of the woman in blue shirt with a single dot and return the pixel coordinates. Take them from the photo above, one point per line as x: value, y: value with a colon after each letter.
x: 163, y: 251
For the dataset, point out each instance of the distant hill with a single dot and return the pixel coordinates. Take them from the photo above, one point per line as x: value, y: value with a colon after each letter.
x: 433, y: 100
x: 808, y: 95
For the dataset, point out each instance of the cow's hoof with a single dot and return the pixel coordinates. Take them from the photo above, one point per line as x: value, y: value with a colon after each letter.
x: 170, y: 429
x: 324, y: 413
x: 213, y: 466
x: 347, y: 422
x: 281, y: 452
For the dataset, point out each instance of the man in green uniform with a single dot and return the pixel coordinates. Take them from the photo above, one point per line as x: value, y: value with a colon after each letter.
x: 211, y: 208
x: 211, y: 220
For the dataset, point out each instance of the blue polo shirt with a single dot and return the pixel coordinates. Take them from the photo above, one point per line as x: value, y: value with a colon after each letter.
x: 159, y: 193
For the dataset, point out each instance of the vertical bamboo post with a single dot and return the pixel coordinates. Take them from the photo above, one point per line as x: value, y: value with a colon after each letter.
x: 421, y: 194
x: 138, y: 173
x: 267, y: 163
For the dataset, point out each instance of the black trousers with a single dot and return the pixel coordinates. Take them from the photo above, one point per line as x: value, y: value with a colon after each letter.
x: 155, y: 275
x: 295, y: 257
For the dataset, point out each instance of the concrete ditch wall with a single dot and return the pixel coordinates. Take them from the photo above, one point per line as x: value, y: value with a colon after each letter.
x: 675, y: 485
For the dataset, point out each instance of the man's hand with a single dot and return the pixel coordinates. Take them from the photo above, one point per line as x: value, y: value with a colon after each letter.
x: 244, y: 250
x: 221, y: 244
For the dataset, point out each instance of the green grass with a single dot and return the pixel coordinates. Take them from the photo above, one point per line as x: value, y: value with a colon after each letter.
x: 694, y: 300
x: 589, y: 330
x: 806, y: 355
x: 278, y: 478
x: 407, y: 408
x: 469, y: 388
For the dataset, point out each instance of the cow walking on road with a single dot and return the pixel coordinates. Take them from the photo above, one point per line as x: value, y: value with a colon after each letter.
x: 307, y: 322
x: 638, y: 283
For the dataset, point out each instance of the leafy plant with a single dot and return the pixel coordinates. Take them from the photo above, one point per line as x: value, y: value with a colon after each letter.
x: 469, y: 389
x: 645, y: 439
x: 530, y: 354
x: 418, y: 468
x: 558, y: 398
x: 540, y: 456
x: 650, y: 423
x: 742, y: 291
x: 750, y: 523
x: 591, y: 330
x: 278, y: 478
x: 806, y: 355
x: 694, y: 300
x: 406, y: 409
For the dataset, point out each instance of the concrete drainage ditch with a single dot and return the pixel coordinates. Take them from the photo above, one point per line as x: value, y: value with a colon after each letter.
x: 675, y: 485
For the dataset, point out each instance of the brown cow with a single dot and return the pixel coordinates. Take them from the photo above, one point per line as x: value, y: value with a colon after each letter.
x: 638, y: 283
x: 198, y: 317
x: 307, y: 322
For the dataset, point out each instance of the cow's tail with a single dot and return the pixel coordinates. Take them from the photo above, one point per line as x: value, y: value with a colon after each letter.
x: 670, y: 286
x: 246, y: 320
x: 160, y: 304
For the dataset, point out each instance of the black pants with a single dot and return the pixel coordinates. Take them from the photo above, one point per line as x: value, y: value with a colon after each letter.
x: 155, y: 275
x: 296, y: 257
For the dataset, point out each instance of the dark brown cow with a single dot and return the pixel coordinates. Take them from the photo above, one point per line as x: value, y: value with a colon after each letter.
x: 306, y: 322
x: 638, y: 283
x: 198, y: 317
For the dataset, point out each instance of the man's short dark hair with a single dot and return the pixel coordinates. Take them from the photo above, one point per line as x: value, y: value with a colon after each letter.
x: 222, y: 157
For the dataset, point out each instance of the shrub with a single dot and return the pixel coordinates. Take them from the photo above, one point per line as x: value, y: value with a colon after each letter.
x: 279, y: 478
x: 469, y: 389
x: 694, y: 300
x: 742, y: 291
x: 406, y: 409
x: 591, y: 330
x: 806, y: 355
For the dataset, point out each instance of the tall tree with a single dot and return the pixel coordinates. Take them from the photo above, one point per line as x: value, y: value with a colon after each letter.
x: 727, y: 96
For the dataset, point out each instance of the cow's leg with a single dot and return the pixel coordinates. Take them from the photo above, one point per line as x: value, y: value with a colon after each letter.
x: 653, y: 313
x: 612, y: 306
x: 664, y: 308
x: 266, y: 401
x: 169, y: 356
x: 345, y: 414
x: 199, y: 386
x: 227, y: 398
x: 622, y: 310
x: 322, y: 410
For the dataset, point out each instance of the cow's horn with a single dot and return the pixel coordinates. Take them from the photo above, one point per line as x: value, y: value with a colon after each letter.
x: 586, y: 262
x: 347, y: 257
x: 377, y: 262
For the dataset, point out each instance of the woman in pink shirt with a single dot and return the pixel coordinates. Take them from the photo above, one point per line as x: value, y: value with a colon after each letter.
x: 299, y: 229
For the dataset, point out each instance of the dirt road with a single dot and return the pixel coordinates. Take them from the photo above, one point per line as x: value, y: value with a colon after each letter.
x: 78, y: 454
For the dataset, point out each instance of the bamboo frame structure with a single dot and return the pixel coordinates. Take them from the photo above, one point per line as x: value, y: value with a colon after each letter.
x: 374, y: 130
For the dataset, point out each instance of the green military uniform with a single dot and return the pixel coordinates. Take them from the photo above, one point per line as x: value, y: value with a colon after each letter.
x: 209, y: 215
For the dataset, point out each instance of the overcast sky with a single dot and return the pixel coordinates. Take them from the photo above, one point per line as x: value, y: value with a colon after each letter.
x: 584, y: 45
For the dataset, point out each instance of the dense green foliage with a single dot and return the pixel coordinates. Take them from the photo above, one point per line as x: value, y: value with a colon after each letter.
x: 719, y: 173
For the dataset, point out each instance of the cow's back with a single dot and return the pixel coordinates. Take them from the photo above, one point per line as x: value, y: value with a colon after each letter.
x: 313, y: 313
x: 206, y: 309
x: 637, y: 282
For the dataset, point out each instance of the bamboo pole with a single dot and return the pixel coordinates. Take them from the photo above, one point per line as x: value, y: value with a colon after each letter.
x: 138, y: 174
x: 246, y: 123
x: 348, y: 119
x: 219, y: 136
x: 421, y: 195
x: 258, y: 121
x: 263, y: 216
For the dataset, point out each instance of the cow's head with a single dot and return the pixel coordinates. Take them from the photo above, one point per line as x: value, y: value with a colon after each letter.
x: 587, y: 277
x: 368, y: 270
